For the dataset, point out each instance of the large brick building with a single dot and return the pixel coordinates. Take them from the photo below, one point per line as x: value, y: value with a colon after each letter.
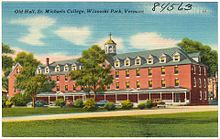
x: 168, y: 74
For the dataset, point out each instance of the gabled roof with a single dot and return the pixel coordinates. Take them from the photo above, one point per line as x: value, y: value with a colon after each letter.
x: 13, y: 68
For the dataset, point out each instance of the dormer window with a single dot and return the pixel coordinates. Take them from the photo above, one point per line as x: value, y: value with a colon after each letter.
x: 138, y: 61
x: 150, y: 59
x: 127, y: 62
x: 57, y: 68
x: 163, y: 58
x: 39, y: 70
x: 66, y: 68
x: 117, y: 63
x: 47, y: 70
x: 176, y: 57
x: 74, y: 67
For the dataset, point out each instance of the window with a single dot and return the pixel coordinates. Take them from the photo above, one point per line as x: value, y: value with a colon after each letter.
x: 66, y: 77
x: 194, y: 69
x: 194, y: 81
x: 58, y: 78
x: 204, y: 71
x: 80, y: 67
x: 127, y: 62
x: 17, y: 70
x: 58, y: 88
x: 66, y: 68
x: 108, y: 87
x: 14, y: 90
x: 74, y: 88
x: 117, y: 85
x: 74, y: 67
x: 162, y: 70
x: 66, y: 87
x: 137, y: 72
x: 82, y: 88
x: 177, y: 82
x: 116, y: 74
x: 176, y: 57
x: 138, y: 61
x: 200, y: 82
x: 117, y: 63
x: 200, y: 70
x: 163, y: 58
x: 205, y: 95
x: 150, y: 59
x: 127, y: 85
x: 138, y: 84
x: 57, y: 68
x: 39, y: 71
x: 127, y: 73
x: 150, y: 83
x: 176, y: 70
x: 47, y: 70
x: 163, y: 83
x: 200, y: 96
x: 149, y: 72
x: 205, y: 83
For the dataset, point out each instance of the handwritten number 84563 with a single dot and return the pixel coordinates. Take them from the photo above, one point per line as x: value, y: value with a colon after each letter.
x: 171, y: 6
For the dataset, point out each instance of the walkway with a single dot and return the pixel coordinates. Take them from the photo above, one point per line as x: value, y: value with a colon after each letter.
x: 168, y: 110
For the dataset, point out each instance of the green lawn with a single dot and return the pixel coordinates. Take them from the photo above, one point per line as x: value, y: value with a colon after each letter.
x: 23, y: 111
x: 202, y: 124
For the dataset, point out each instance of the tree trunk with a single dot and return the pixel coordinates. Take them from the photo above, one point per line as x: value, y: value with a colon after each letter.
x: 33, y: 101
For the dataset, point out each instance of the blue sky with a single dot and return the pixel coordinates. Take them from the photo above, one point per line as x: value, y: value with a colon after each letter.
x: 65, y: 35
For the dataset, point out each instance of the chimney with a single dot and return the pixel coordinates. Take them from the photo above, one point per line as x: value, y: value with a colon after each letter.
x: 47, y: 61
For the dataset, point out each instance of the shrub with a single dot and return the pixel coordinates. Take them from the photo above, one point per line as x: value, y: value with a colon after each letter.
x: 141, y: 105
x: 21, y: 99
x: 161, y: 103
x: 149, y: 104
x: 8, y: 103
x: 4, y: 99
x: 60, y: 102
x: 78, y: 103
x: 109, y: 106
x: 127, y: 104
x: 90, y: 104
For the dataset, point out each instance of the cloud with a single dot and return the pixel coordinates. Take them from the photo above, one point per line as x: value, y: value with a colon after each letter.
x: 35, y: 25
x: 119, y: 41
x: 54, y: 57
x: 151, y: 40
x: 75, y: 35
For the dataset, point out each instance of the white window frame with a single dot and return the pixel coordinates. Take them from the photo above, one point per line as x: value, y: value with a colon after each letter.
x: 205, y: 95
x: 65, y: 68
x: 200, y: 94
x: 194, y: 69
x: 150, y: 59
x: 175, y: 82
x: 165, y: 59
x: 200, y: 83
x: 117, y: 60
x: 204, y: 70
x: 129, y: 61
x: 57, y: 70
x: 161, y: 83
x: 174, y: 55
x: 200, y: 70
x: 47, y: 69
x: 205, y: 83
x: 74, y: 67
x: 194, y: 82
x: 39, y: 69
x: 138, y: 58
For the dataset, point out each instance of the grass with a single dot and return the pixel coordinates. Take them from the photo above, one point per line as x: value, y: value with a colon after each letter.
x: 200, y: 124
x: 24, y: 111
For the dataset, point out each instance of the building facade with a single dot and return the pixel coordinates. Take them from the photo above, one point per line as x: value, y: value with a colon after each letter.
x: 169, y: 74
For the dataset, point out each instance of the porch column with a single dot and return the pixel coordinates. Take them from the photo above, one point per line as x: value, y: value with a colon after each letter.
x: 185, y: 96
x: 138, y: 97
x: 160, y: 95
x: 127, y: 96
x: 64, y: 98
x: 116, y: 97
x: 149, y: 96
x: 172, y: 97
x: 48, y: 99
x: 73, y: 98
x: 104, y: 96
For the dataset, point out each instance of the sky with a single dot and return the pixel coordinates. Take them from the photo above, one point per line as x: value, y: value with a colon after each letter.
x: 65, y: 35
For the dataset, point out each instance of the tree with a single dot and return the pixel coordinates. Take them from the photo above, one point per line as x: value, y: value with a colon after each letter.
x: 7, y: 61
x: 35, y: 85
x: 26, y: 60
x: 209, y: 57
x: 93, y: 76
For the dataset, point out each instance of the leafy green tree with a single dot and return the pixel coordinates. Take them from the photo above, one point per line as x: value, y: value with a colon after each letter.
x: 26, y: 60
x: 34, y: 85
x: 209, y: 57
x: 93, y: 76
x: 6, y: 49
x: 7, y: 61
